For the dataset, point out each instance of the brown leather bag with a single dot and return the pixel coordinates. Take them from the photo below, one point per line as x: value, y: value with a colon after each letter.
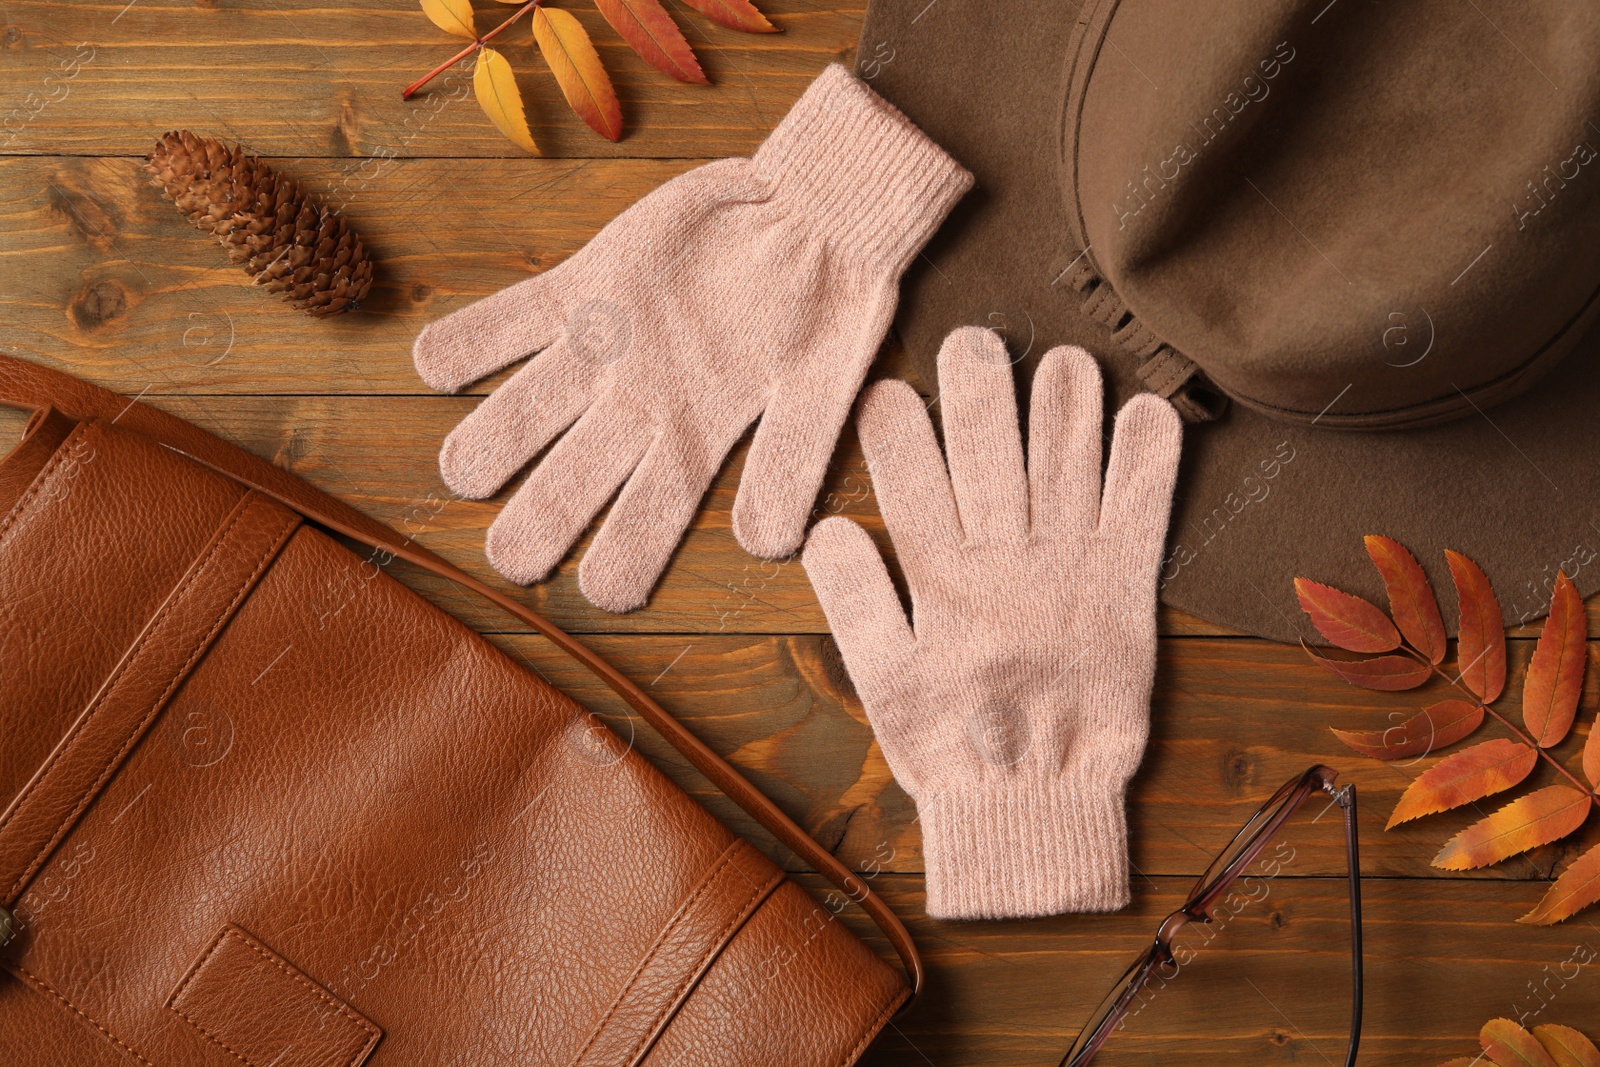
x: 267, y: 806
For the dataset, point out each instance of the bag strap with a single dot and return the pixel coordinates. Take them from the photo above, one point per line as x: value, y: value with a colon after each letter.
x: 29, y: 385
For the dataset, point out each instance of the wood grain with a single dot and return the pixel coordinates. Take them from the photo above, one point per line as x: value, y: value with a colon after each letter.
x: 1267, y: 985
x: 380, y: 452
x: 108, y: 280
x: 381, y: 455
x: 783, y: 709
x: 311, y: 79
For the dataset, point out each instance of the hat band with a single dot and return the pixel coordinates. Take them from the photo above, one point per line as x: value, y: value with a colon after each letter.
x: 1162, y: 369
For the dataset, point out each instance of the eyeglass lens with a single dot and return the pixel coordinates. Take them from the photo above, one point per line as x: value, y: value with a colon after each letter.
x: 1224, y: 868
x: 1112, y: 1008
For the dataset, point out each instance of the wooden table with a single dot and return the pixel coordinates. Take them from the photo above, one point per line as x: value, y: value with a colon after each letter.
x: 100, y: 276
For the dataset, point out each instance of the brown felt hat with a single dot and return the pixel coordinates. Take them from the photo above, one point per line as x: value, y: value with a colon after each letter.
x: 1358, y: 245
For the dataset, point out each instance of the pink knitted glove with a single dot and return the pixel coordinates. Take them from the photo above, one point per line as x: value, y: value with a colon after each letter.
x: 744, y: 287
x: 1017, y: 709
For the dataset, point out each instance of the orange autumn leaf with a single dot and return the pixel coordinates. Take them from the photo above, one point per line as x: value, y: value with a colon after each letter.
x: 1555, y: 676
x: 1347, y: 621
x: 1433, y: 728
x: 650, y: 32
x: 1567, y: 1047
x: 496, y: 89
x: 1509, y: 1045
x: 1576, y: 889
x: 1539, y: 818
x: 1411, y: 600
x: 570, y: 54
x: 1384, y: 673
x: 1468, y: 775
x: 1481, y: 647
x: 734, y: 14
x: 1591, y: 756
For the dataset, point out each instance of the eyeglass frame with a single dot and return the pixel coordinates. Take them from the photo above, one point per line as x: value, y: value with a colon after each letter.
x: 1290, y: 797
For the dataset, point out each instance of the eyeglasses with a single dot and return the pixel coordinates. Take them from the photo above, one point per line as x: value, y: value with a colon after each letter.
x: 1226, y: 869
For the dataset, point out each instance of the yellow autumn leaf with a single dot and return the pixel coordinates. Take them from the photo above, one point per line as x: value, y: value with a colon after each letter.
x: 451, y: 16
x: 496, y: 88
x: 570, y: 54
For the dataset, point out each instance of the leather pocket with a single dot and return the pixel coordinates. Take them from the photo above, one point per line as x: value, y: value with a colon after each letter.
x: 264, y: 1011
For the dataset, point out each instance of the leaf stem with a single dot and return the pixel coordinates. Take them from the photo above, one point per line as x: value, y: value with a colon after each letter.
x: 1508, y: 724
x: 411, y: 90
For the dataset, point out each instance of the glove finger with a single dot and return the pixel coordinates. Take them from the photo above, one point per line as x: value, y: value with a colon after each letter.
x: 977, y: 396
x: 491, y: 333
x: 859, y: 600
x: 789, y: 458
x: 648, y: 521
x: 1141, y: 475
x: 908, y: 478
x: 565, y: 492
x: 876, y: 642
x: 516, y: 421
x: 1064, y: 442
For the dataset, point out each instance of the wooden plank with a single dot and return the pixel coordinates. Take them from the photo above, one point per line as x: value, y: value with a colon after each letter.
x: 783, y: 709
x: 381, y: 455
x: 1269, y: 984
x: 107, y: 279
x: 308, y: 79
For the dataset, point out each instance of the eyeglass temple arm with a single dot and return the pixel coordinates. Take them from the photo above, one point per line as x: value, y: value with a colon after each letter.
x: 1347, y: 800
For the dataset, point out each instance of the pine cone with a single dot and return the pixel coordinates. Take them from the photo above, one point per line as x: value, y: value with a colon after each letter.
x: 286, y: 239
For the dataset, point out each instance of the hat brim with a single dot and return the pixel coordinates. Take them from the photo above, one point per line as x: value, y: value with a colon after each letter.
x: 1515, y: 487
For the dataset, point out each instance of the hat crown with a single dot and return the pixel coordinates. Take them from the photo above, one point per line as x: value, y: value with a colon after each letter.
x: 1363, y: 216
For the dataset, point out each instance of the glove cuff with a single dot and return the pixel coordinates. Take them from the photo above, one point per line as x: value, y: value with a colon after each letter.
x: 1025, y: 849
x: 867, y: 176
